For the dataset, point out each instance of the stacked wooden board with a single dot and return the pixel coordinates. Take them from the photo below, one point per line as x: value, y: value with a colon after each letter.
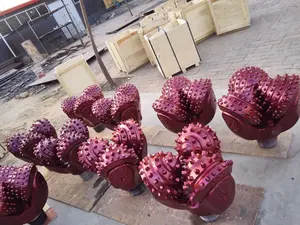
x: 165, y: 7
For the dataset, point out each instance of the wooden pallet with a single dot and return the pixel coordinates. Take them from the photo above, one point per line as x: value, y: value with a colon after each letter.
x: 145, y: 210
x: 184, y: 70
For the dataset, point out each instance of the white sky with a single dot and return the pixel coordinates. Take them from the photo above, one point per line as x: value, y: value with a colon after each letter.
x: 6, y: 4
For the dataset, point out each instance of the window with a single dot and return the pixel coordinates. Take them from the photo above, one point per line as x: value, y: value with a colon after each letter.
x: 42, y: 9
x: 33, y: 14
x: 13, y: 22
x: 4, y: 29
x: 23, y: 17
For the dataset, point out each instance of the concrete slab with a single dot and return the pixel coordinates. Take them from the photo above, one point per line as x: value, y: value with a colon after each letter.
x: 145, y: 210
x: 68, y: 215
x: 50, y: 77
x: 73, y: 191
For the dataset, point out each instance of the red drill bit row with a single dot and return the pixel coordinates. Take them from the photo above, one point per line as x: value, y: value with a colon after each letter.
x: 94, y: 109
x: 73, y: 152
x: 184, y: 101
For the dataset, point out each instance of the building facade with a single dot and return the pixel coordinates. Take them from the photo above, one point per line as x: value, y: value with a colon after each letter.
x: 46, y: 23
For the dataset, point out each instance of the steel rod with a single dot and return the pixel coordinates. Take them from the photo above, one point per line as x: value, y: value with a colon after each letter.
x: 8, y: 45
x: 73, y: 23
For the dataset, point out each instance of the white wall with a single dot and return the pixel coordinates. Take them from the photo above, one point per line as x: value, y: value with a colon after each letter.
x: 62, y: 17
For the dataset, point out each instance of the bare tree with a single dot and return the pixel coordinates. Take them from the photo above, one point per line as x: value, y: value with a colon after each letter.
x: 89, y: 30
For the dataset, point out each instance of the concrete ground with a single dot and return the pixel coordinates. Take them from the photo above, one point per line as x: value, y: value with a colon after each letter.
x: 272, y: 42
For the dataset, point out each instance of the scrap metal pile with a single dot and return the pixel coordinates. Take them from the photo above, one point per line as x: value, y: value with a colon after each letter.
x: 14, y: 83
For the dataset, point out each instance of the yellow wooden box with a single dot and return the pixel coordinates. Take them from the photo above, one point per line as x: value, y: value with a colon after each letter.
x: 148, y: 20
x: 75, y: 75
x: 163, y: 55
x: 174, y: 48
x: 198, y: 16
x: 229, y: 15
x: 178, y: 3
x: 127, y: 50
x: 150, y: 28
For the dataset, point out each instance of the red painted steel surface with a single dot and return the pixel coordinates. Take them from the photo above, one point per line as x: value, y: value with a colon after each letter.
x: 197, y: 179
x: 184, y: 101
x: 94, y: 109
x: 23, y: 194
x: 258, y: 107
x: 117, y: 161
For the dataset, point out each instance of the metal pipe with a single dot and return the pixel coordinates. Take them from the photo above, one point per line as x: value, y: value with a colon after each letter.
x: 128, y: 7
x: 8, y: 25
x: 37, y: 37
x: 73, y: 23
x: 8, y: 45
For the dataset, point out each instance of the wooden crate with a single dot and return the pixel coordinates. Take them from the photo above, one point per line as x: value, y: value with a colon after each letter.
x: 174, y: 48
x: 163, y: 54
x: 148, y: 20
x: 127, y: 50
x: 229, y: 15
x: 182, y: 43
x: 165, y: 7
x: 198, y: 16
x: 75, y: 75
x: 150, y: 29
x: 178, y: 3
